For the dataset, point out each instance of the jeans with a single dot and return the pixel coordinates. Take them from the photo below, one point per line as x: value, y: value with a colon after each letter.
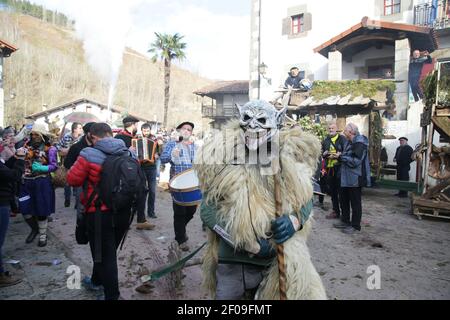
x: 351, y: 197
x: 4, y: 222
x: 181, y: 217
x: 68, y: 193
x: 416, y: 89
x: 113, y: 228
x: 150, y: 175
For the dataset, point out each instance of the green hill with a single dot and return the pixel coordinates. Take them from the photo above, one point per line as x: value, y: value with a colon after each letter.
x: 49, y: 68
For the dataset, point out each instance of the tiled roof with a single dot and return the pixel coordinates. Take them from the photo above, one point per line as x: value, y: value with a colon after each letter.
x: 116, y: 109
x: 223, y: 87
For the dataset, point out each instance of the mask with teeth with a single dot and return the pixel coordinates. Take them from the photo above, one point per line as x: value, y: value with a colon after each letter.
x: 260, y: 121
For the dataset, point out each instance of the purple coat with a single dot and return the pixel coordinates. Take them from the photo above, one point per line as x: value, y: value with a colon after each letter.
x: 52, y: 159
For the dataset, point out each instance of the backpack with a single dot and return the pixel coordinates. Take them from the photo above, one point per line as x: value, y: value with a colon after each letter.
x: 122, y: 183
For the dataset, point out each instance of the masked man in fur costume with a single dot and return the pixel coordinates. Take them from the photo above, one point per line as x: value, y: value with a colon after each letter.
x: 236, y: 170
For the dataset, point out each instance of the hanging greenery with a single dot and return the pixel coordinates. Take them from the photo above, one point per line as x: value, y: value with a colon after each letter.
x: 318, y: 129
x: 444, y: 85
x: 375, y: 138
x: 429, y: 84
x: 365, y: 88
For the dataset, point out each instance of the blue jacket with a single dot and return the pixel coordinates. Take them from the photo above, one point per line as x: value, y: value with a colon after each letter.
x: 294, y: 82
x: 355, y: 168
x: 416, y: 65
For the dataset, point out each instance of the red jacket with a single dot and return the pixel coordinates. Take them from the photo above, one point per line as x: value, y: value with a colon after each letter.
x: 88, y: 168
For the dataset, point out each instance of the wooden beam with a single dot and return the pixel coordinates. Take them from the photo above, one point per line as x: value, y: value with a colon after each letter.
x: 443, y: 112
x: 431, y: 204
x: 365, y: 38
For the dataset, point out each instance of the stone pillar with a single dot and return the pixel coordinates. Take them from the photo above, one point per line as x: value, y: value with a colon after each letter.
x: 334, y: 66
x: 402, y: 55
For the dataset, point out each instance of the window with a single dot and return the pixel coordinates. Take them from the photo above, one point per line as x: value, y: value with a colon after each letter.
x: 391, y: 7
x: 380, y: 72
x: 298, y: 22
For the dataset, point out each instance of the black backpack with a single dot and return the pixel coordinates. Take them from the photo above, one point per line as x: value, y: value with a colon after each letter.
x: 122, y: 186
x: 122, y: 183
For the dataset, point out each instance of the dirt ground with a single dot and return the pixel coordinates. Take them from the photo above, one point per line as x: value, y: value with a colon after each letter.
x: 413, y: 256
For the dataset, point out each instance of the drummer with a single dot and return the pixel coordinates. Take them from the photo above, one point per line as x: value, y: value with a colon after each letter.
x: 180, y: 152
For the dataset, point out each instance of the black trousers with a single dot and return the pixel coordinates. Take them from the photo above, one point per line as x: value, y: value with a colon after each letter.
x: 181, y: 217
x: 334, y: 184
x: 416, y: 89
x: 150, y: 174
x: 351, y: 197
x: 403, y: 175
x: 113, y: 229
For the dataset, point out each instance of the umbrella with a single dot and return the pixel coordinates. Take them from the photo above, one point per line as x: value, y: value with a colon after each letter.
x: 81, y: 117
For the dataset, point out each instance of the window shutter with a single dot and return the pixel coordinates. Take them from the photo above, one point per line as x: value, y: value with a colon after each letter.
x: 286, y: 30
x: 307, y: 21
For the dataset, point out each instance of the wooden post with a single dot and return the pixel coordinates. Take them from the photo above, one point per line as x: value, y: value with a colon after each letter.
x: 431, y: 133
x: 280, y: 247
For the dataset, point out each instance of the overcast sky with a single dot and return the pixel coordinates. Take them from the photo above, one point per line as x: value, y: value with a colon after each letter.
x: 217, y: 32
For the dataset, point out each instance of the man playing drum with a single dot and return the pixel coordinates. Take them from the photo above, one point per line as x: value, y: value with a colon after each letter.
x: 180, y: 153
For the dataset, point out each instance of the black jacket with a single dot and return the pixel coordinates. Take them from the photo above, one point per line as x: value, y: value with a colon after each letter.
x: 403, y: 156
x: 74, y: 152
x: 294, y: 82
x: 416, y: 65
x: 126, y: 137
x: 340, y: 144
x: 10, y: 174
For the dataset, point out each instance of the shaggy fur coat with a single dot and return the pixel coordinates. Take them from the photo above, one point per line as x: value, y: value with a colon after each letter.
x: 245, y: 200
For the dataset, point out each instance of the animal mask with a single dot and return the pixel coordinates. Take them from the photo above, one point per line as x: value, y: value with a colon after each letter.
x: 260, y: 121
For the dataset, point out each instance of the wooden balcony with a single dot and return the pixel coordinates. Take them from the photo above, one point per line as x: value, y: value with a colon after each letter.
x: 219, y: 112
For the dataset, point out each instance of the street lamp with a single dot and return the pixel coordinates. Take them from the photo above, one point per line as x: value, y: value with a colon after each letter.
x: 262, y: 69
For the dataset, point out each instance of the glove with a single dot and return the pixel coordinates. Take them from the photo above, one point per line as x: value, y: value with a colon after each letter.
x: 39, y: 168
x: 283, y: 228
x: 266, y: 250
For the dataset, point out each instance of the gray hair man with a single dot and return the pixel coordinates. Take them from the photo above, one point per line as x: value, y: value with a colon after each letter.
x: 332, y: 147
x: 355, y: 174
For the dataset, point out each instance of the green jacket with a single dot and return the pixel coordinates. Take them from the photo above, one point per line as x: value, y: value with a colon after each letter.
x: 227, y: 252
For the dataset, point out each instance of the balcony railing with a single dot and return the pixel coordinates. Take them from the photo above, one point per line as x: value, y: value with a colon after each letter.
x: 225, y: 111
x: 434, y: 14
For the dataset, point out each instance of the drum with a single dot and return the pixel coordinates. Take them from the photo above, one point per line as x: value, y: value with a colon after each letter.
x: 185, y: 189
x: 145, y: 149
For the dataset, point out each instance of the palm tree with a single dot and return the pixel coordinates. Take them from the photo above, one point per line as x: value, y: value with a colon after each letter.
x: 167, y: 48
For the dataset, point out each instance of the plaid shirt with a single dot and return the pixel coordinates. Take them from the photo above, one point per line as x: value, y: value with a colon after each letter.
x: 66, y: 142
x: 180, y: 163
